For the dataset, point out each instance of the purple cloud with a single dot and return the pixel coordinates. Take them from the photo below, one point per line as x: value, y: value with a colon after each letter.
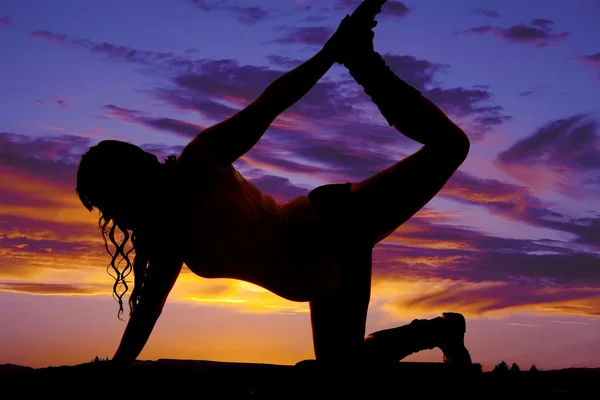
x: 517, y: 203
x: 481, y: 299
x: 218, y: 88
x: 395, y: 8
x: 251, y: 15
x: 5, y: 21
x: 311, y: 35
x: 286, y: 62
x: 590, y: 59
x: 544, y: 24
x: 392, y: 8
x: 47, y: 35
x: 486, y: 12
x: 181, y: 128
x: 328, y: 104
x: 279, y: 188
x: 462, y: 102
x: 419, y: 73
x: 208, y: 5
x: 567, y: 146
x: 538, y: 32
x: 46, y: 157
x: 207, y: 85
x: 315, y: 14
x: 527, y: 93
x: 478, y: 29
x: 119, y: 53
x: 472, y: 256
x: 61, y: 102
x: 185, y: 101
x: 246, y: 15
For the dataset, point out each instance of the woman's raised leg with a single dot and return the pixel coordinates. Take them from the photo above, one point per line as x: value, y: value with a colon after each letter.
x: 383, y: 202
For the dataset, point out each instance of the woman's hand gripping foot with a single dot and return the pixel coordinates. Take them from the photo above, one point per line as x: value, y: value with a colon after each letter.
x: 354, y: 35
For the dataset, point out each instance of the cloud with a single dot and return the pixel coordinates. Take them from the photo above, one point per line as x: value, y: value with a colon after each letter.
x: 478, y: 299
x: 45, y: 241
x: 279, y: 188
x: 184, y: 100
x: 527, y: 93
x: 315, y: 13
x: 318, y: 35
x: 420, y: 73
x: 183, y: 129
x: 45, y: 157
x: 44, y: 229
x: 115, y: 52
x: 218, y: 88
x: 564, y: 151
x: 310, y: 35
x: 427, y: 249
x: 394, y: 9
x: 247, y: 15
x: 458, y: 101
x: 486, y: 12
x: 5, y: 21
x: 463, y: 102
x: 590, y: 59
x: 286, y: 62
x: 251, y: 15
x: 470, y: 271
x: 517, y: 203
x: 52, y: 288
x: 538, y: 33
x: 477, y: 29
x: 208, y: 5
x: 61, y: 102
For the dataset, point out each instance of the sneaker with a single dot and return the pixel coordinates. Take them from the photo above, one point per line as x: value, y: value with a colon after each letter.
x: 359, y: 30
x: 452, y: 343
x: 366, y: 12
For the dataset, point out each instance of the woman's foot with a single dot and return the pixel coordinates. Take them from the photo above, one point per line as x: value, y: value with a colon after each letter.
x: 446, y: 332
x: 354, y: 36
x: 362, y: 22
x: 452, y: 341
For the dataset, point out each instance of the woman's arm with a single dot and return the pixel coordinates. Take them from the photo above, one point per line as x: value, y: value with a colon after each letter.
x: 232, y: 138
x: 159, y: 281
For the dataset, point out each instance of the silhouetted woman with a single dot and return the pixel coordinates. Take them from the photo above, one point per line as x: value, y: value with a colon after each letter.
x: 198, y: 210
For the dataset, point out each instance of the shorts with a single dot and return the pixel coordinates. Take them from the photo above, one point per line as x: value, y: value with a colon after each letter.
x: 333, y: 204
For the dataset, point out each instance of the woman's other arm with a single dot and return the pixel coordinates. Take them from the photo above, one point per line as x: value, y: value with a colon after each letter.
x: 159, y: 281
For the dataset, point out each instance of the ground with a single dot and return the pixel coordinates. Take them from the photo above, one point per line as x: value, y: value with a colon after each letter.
x: 227, y: 380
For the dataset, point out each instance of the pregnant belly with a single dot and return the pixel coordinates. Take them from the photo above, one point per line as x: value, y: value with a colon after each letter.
x: 297, y: 270
x: 303, y: 283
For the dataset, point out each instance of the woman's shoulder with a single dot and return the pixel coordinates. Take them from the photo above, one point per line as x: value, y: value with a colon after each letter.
x: 196, y: 154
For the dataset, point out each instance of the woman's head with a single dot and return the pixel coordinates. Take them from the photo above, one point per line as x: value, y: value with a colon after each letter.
x: 117, y: 178
x: 124, y: 183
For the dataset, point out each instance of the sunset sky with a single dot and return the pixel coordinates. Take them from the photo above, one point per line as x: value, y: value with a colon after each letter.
x: 512, y: 241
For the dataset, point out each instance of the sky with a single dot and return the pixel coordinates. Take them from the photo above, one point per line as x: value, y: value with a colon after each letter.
x: 512, y: 241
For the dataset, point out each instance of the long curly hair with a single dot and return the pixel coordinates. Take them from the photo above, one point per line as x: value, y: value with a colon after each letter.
x: 139, y: 266
x: 96, y: 167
